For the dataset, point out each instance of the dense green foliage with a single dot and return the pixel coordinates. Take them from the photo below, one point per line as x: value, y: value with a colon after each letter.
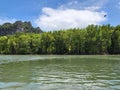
x: 94, y: 39
x: 18, y: 26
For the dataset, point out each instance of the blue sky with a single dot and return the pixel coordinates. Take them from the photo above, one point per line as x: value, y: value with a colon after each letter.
x: 60, y: 14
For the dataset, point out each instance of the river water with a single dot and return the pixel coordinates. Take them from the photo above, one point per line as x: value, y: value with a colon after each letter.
x: 59, y: 72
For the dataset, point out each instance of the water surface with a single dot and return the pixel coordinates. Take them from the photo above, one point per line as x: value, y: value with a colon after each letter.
x: 55, y: 72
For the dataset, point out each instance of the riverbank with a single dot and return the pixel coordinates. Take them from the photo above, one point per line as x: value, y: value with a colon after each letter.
x: 88, y: 41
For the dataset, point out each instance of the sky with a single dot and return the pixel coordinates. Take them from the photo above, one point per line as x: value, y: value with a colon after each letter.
x: 52, y: 15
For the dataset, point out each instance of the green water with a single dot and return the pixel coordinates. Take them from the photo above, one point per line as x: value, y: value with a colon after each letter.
x: 40, y: 72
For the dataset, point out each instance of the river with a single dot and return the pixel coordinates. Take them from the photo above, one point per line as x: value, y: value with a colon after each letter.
x: 59, y: 72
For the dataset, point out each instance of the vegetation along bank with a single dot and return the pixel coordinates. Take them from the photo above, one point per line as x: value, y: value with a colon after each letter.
x: 22, y: 38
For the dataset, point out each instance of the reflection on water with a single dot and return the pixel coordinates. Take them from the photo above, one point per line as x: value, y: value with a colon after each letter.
x: 59, y: 72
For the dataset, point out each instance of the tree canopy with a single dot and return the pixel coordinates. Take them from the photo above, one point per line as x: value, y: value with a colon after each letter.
x: 94, y: 39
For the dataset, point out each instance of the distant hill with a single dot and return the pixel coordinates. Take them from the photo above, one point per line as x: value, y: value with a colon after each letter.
x: 18, y: 26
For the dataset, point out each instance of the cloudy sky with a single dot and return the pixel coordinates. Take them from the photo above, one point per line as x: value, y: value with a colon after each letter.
x: 61, y: 14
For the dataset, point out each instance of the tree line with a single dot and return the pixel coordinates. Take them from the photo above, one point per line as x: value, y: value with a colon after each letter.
x: 94, y: 39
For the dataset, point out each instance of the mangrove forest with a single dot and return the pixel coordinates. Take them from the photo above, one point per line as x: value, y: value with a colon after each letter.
x: 22, y: 38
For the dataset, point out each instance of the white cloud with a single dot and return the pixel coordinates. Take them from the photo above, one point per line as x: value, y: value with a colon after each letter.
x: 92, y: 8
x: 74, y: 14
x: 90, y: 4
x: 55, y: 19
x: 5, y: 20
x: 118, y: 5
